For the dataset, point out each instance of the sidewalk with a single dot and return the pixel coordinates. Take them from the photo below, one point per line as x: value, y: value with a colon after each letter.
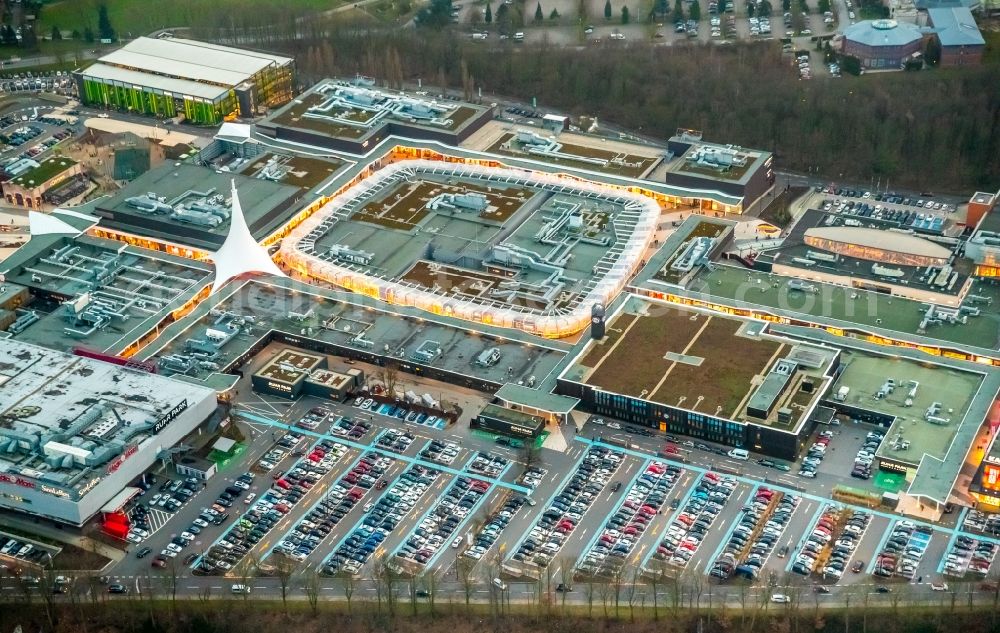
x: 63, y: 536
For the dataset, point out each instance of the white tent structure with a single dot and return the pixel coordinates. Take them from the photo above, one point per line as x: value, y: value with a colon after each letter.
x: 51, y: 224
x: 240, y: 253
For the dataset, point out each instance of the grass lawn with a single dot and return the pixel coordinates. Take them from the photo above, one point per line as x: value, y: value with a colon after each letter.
x: 638, y: 363
x: 142, y: 16
x: 46, y: 170
x: 777, y: 212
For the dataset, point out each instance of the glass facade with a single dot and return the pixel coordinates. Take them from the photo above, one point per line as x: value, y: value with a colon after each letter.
x: 157, y: 102
x: 669, y: 419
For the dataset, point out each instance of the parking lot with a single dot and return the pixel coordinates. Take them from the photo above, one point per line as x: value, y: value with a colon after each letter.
x: 345, y: 490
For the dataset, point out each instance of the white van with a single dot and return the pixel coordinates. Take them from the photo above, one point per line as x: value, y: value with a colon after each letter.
x: 241, y: 589
x: 739, y: 453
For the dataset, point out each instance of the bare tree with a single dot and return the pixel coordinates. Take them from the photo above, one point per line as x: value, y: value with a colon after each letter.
x: 633, y: 594
x: 654, y: 584
x: 566, y: 577
x: 170, y: 579
x: 310, y: 585
x: 348, y: 584
x: 284, y: 568
x: 464, y: 567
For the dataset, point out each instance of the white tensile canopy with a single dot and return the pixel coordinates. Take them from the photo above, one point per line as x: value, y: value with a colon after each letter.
x: 240, y: 253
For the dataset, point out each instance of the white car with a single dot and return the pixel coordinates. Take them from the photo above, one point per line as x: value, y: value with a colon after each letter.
x: 187, y: 536
x: 780, y: 598
x: 174, y: 547
x: 202, y: 523
x: 250, y: 497
x: 169, y: 553
x: 132, y: 537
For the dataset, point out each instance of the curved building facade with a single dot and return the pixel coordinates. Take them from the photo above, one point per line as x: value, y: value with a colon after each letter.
x: 882, y: 44
x: 900, y: 249
x: 298, y: 252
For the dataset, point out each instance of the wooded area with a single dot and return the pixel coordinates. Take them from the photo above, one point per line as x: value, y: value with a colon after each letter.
x: 937, y: 129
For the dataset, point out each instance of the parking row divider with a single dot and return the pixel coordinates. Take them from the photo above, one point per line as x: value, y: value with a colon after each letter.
x: 548, y: 503
x: 676, y: 513
x: 315, y: 504
x: 793, y: 554
x: 784, y: 489
x: 375, y: 449
x: 614, y: 509
x: 232, y: 526
x: 881, y: 546
x: 361, y: 519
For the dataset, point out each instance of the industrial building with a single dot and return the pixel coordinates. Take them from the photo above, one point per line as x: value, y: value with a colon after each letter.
x: 190, y: 206
x: 883, y: 44
x: 201, y: 82
x: 76, y: 432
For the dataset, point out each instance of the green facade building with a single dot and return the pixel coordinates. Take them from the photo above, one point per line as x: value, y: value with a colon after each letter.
x: 204, y: 83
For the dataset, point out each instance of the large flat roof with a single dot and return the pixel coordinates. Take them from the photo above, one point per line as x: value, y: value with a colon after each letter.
x: 129, y: 77
x: 869, y: 311
x: 663, y: 354
x: 76, y: 406
x: 147, y: 285
x: 266, y: 204
x: 190, y: 59
x: 357, y: 322
x: 920, y: 385
x: 865, y: 237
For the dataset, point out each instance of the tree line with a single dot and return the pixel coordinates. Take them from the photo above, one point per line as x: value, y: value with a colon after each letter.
x: 936, y: 129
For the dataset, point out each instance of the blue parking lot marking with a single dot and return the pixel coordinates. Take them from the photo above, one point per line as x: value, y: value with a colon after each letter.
x: 226, y: 532
x: 314, y: 505
x: 673, y: 517
x: 798, y: 493
x: 375, y: 449
x: 794, y: 554
x: 881, y: 546
x: 361, y: 521
x: 729, y: 530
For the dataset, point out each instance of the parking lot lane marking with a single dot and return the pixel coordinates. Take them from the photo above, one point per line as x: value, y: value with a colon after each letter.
x: 791, y: 491
x: 793, y: 552
x: 881, y: 545
x: 380, y: 451
x: 692, y: 483
x: 947, y: 550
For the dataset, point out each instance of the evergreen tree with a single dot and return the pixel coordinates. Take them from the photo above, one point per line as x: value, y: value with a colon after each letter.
x: 56, y: 33
x: 88, y: 35
x: 489, y: 14
x: 695, y: 11
x: 104, y: 29
x: 554, y: 15
x: 786, y: 5
x: 678, y: 10
x: 933, y: 53
x: 624, y: 15
x: 539, y: 16
x: 607, y: 10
